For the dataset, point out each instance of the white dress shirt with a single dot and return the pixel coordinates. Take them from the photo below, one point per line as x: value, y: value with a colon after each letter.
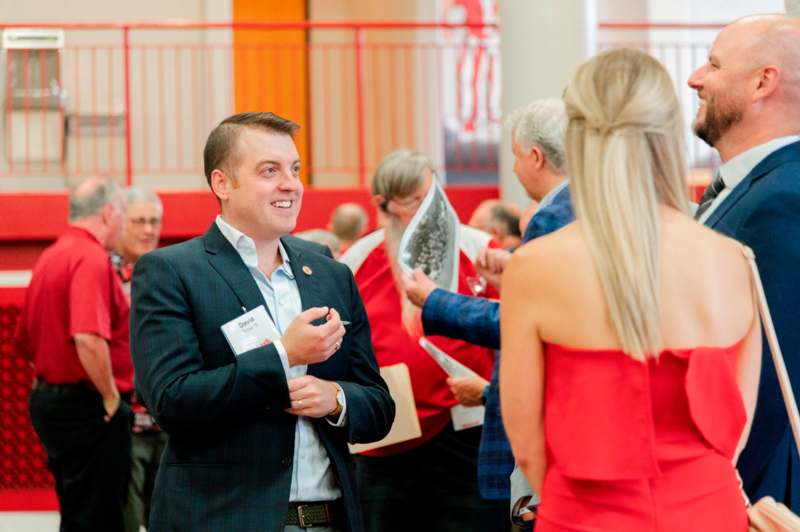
x: 735, y: 170
x: 312, y: 475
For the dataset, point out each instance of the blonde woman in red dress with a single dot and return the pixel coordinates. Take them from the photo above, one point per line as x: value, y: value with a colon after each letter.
x: 631, y: 343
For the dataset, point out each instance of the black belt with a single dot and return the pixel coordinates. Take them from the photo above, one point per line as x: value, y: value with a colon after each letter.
x: 72, y: 389
x: 311, y: 514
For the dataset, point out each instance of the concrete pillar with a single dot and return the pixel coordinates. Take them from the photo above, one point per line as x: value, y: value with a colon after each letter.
x: 542, y: 43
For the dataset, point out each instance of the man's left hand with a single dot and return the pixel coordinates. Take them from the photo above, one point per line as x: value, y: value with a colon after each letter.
x: 468, y: 390
x: 311, y: 397
x: 418, y: 287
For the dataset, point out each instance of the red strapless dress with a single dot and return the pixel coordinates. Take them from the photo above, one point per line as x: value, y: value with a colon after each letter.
x: 635, y: 446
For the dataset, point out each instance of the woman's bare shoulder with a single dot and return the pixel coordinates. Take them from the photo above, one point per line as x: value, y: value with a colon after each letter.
x: 547, y: 256
x: 556, y: 242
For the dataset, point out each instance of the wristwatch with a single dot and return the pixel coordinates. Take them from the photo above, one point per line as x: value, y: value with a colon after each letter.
x: 339, y: 402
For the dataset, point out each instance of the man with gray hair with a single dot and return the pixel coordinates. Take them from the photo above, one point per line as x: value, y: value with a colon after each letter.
x: 537, y: 141
x: 141, y: 235
x: 74, y: 330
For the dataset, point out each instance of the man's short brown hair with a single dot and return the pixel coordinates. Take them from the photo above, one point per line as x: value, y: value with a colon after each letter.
x: 221, y: 144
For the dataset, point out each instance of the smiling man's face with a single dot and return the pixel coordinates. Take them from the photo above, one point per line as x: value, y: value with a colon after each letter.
x: 722, y: 85
x: 262, y: 197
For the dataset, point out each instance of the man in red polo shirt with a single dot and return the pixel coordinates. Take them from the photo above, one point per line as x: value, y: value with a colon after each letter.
x: 74, y: 329
x: 434, y: 476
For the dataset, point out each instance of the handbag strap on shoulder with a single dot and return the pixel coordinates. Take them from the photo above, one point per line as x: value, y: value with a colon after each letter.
x: 774, y: 347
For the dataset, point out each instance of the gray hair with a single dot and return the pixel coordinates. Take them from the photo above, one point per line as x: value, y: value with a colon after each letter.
x: 400, y: 173
x: 90, y: 196
x: 542, y: 123
x: 136, y: 194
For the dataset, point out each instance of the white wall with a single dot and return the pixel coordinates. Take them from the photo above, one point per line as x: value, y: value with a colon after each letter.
x: 542, y: 43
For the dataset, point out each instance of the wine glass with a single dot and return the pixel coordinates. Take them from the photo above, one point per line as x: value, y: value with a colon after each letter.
x: 477, y: 285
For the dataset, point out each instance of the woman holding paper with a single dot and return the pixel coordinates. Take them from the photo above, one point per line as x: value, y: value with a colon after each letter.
x: 631, y: 345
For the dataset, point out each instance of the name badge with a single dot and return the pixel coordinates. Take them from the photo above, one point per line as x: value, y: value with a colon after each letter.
x: 250, y: 330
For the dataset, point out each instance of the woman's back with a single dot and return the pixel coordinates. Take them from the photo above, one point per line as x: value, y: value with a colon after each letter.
x: 630, y: 343
x: 644, y: 445
x: 705, y: 292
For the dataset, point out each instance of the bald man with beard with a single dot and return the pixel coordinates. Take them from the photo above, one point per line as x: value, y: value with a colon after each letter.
x: 749, y: 92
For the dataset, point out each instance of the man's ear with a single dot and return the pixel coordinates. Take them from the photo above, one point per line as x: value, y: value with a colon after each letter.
x: 379, y: 201
x: 107, y: 212
x: 221, y: 184
x: 537, y: 158
x: 767, y: 81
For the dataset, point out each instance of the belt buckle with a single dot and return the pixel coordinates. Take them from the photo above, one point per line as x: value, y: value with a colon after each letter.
x: 301, y: 518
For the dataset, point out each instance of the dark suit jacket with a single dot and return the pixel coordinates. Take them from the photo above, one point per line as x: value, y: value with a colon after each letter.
x: 763, y: 211
x: 477, y: 320
x: 228, y: 462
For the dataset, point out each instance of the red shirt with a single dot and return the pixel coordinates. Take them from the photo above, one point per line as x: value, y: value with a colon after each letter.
x: 392, y: 345
x: 74, y: 289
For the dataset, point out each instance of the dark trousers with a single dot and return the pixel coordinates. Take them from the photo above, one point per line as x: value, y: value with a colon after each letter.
x: 147, y: 448
x: 433, y: 487
x: 89, y: 457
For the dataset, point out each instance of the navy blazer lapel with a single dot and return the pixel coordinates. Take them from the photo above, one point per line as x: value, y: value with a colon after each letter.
x: 790, y: 152
x: 726, y: 205
x: 229, y: 265
x: 308, y: 278
x: 305, y: 276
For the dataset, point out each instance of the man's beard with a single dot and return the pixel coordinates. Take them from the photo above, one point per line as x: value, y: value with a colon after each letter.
x: 393, y: 234
x: 718, y: 120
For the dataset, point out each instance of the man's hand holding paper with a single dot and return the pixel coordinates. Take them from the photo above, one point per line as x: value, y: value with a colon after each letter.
x: 468, y: 391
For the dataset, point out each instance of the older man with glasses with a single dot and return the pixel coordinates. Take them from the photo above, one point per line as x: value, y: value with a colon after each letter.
x: 141, y: 234
x: 434, y: 475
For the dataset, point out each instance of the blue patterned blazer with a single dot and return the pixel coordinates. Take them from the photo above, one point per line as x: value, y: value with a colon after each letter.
x: 477, y: 320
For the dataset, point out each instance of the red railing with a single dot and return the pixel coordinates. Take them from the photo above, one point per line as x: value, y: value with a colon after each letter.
x: 136, y: 100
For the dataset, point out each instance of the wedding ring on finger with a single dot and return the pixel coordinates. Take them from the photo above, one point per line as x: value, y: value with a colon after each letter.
x: 299, y: 403
x: 336, y: 346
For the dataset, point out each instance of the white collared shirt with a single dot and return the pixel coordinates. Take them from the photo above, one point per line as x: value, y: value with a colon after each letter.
x: 312, y: 474
x: 735, y: 170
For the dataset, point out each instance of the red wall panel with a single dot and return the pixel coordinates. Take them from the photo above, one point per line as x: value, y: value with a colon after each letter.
x: 30, y: 222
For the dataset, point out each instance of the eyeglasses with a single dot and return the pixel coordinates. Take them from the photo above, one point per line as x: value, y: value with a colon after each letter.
x: 141, y: 222
x: 402, y: 204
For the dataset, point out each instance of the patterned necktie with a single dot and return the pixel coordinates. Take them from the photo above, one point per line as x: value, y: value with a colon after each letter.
x: 712, y: 191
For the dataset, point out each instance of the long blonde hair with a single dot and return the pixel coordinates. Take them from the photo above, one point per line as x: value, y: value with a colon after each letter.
x: 625, y: 160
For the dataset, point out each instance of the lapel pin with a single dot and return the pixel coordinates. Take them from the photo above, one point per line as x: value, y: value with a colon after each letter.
x: 307, y: 270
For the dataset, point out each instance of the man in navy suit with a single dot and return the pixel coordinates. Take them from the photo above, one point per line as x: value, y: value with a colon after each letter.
x: 749, y: 93
x: 537, y: 138
x: 258, y: 416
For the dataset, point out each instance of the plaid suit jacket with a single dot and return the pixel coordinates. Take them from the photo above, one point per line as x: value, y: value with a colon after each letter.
x: 477, y: 321
x: 228, y: 463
